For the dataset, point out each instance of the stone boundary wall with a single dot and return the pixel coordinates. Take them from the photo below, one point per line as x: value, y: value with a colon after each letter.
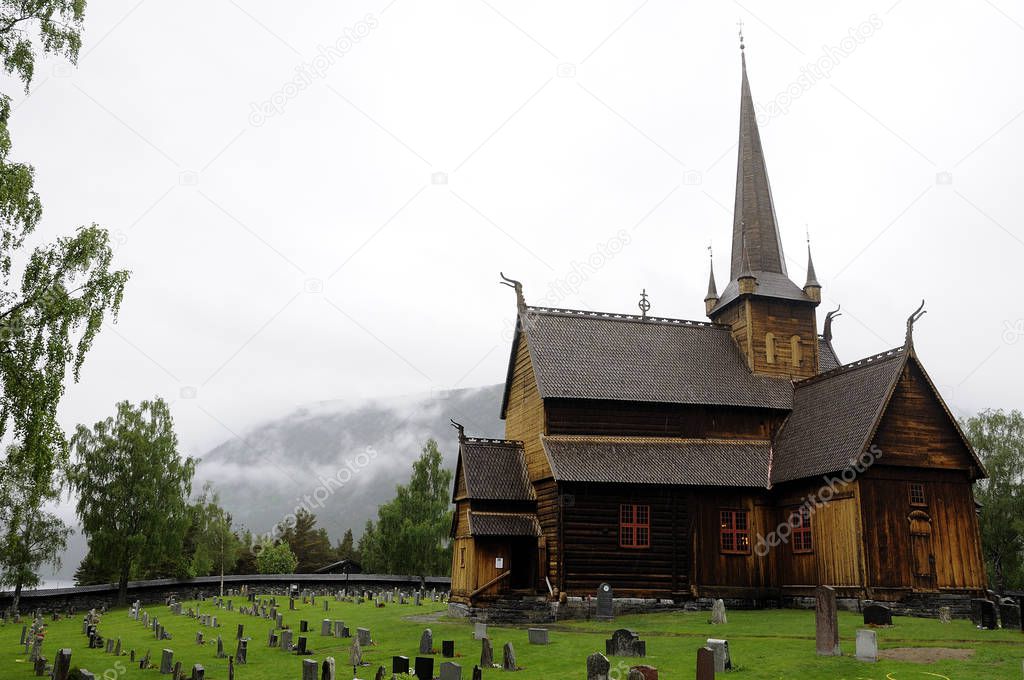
x: 157, y: 591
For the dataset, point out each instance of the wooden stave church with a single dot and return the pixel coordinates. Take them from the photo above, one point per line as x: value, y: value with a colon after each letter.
x: 658, y: 455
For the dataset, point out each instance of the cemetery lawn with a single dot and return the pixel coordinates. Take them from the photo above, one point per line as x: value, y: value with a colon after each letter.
x: 768, y: 645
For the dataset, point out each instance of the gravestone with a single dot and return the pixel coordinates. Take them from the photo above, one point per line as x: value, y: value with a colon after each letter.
x: 303, y: 626
x: 176, y: 674
x: 448, y: 649
x: 486, y: 653
x: 300, y: 648
x: 723, y: 659
x: 117, y: 648
x: 538, y: 636
x: 451, y: 671
x: 241, y: 631
x: 364, y: 636
x: 198, y: 672
x: 826, y: 622
x: 110, y: 645
x: 286, y: 640
x: 166, y: 662
x: 625, y: 643
x: 877, y: 615
x: 718, y: 613
x: 24, y: 631
x: 867, y: 645
x: 705, y: 664
x: 339, y: 627
x: 327, y: 670
x: 382, y: 673
x: 597, y: 667
x: 220, y: 648
x: 945, y: 615
x: 508, y: 658
x: 983, y: 614
x: 309, y: 669
x: 199, y: 637
x: 280, y: 620
x: 325, y: 627
x: 62, y: 664
x: 242, y: 651
x: 327, y: 605
x: 355, y: 654
x: 144, y: 663
x: 646, y: 672
x: 479, y: 631
x: 605, y: 605
x: 634, y: 674
x: 427, y: 642
x: 272, y: 638
x: 291, y: 603
x: 399, y: 665
x: 424, y: 667
x: 85, y: 675
x: 1009, y: 614
x: 478, y: 674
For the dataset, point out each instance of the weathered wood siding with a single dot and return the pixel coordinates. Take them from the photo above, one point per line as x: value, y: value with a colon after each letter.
x: 718, y: 572
x: 751, y: 321
x: 524, y: 414
x: 566, y: 416
x: 590, y: 534
x: 548, y: 547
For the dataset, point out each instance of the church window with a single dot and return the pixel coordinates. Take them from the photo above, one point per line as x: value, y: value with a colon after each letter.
x: 917, y: 495
x: 800, y: 521
x: 634, y: 526
x: 735, y: 532
x: 769, y: 347
x: 795, y: 350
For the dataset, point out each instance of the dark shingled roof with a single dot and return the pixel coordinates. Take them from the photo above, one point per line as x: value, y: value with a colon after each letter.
x: 833, y: 417
x: 647, y: 460
x: 590, y: 355
x: 827, y: 359
x: 495, y: 469
x: 503, y: 524
x: 769, y: 284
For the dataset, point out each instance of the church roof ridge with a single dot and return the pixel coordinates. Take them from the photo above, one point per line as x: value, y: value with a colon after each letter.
x: 613, y: 316
x: 872, y: 360
x: 492, y: 440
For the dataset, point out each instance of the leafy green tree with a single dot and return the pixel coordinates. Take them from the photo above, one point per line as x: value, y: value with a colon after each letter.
x: 311, y: 546
x: 133, y: 488
x: 246, y: 562
x: 216, y: 545
x: 93, y: 571
x: 32, y: 536
x: 998, y: 437
x: 276, y: 558
x: 58, y: 24
x: 346, y: 548
x: 411, y: 532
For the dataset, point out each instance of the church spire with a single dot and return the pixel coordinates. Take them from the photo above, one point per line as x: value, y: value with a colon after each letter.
x: 711, y: 299
x: 812, y: 288
x: 755, y: 230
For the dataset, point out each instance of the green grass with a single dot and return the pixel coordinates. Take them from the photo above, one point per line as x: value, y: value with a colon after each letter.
x: 768, y: 645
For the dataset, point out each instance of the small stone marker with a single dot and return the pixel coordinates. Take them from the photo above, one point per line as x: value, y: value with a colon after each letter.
x: 478, y: 674
x: 718, y: 617
x: 117, y: 648
x: 300, y: 648
x: 424, y: 667
x: 598, y: 667
x: 286, y: 640
x: 110, y: 645
x: 364, y: 636
x: 705, y: 664
x: 983, y: 614
x: 85, y: 675
x: 448, y: 649
x: 62, y: 664
x: 309, y: 669
x: 382, y: 673
x: 1009, y: 614
x: 634, y: 674
x: 220, y: 648
x: 479, y: 631
x: 242, y: 651
x: 877, y: 615
x: 176, y: 674
x: 451, y: 671
x: 945, y: 615
x: 198, y: 672
x: 723, y: 659
x: 303, y: 626
x: 241, y: 631
x: 166, y: 662
x: 508, y: 658
x: 867, y: 645
x: 339, y: 627
x: 486, y: 653
x: 325, y: 627
x: 327, y: 670
x: 399, y: 665
x: 605, y: 602
x: 427, y: 642
x: 355, y: 654
x: 538, y: 636
x: 646, y: 672
x: 826, y: 621
x: 625, y: 642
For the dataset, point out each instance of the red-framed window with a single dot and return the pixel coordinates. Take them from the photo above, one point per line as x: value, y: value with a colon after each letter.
x: 800, y: 521
x: 917, y: 495
x: 735, y: 532
x: 634, y: 526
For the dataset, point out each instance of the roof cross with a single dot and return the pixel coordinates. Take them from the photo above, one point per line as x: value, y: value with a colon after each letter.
x: 645, y: 304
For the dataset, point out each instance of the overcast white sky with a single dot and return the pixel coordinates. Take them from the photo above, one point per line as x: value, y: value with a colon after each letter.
x: 309, y: 254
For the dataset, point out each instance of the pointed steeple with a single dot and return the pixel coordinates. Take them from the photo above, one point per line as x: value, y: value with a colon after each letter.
x: 755, y: 229
x: 812, y: 278
x: 711, y: 299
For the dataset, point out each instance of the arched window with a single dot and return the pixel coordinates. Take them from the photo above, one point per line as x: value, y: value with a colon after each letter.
x: 795, y: 350
x: 769, y: 347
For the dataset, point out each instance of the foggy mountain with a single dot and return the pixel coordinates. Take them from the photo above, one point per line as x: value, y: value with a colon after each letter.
x: 338, y: 459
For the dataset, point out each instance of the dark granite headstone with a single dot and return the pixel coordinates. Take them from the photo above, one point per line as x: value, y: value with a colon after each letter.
x: 705, y: 664
x: 605, y: 607
x: 1009, y: 614
x: 478, y: 674
x: 303, y: 626
x: 399, y: 664
x: 877, y: 615
x: 300, y: 648
x: 198, y: 672
x: 826, y: 622
x: 424, y: 667
x: 508, y: 658
x: 242, y: 651
x: 448, y: 649
x: 62, y: 664
x: 984, y: 614
x: 625, y: 643
x: 486, y: 653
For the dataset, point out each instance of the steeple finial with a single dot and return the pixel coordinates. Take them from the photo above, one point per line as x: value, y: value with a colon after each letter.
x: 711, y: 299
x: 812, y: 288
x: 518, y: 287
x: 827, y: 333
x: 911, y: 320
x: 740, y: 24
x: 645, y: 304
x: 460, y: 428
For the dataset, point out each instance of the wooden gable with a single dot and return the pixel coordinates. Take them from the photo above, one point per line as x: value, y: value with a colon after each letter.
x: 523, y: 408
x: 916, y: 428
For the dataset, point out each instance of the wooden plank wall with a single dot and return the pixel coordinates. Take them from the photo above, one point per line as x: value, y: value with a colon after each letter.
x: 714, y: 571
x: 591, y: 542
x: 524, y: 415
x: 548, y: 502
x: 566, y: 416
